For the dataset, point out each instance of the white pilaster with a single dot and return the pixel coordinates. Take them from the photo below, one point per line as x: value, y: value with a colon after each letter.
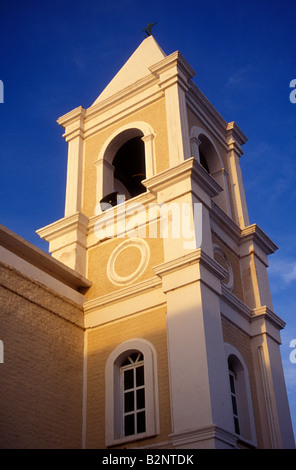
x: 235, y: 139
x: 73, y: 122
x: 174, y: 73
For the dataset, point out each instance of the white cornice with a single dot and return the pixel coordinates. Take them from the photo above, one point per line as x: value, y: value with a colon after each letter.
x: 64, y: 226
x: 234, y: 302
x: 122, y: 294
x: 207, y: 113
x: 226, y: 223
x: 265, y: 312
x: 255, y: 234
x: 195, y: 257
x: 190, y: 168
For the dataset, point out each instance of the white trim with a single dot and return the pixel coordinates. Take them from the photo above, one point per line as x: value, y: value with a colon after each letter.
x: 112, y: 417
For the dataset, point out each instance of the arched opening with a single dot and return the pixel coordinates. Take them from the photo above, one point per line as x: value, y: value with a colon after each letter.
x: 131, y: 392
x: 240, y: 397
x: 129, y: 168
x: 204, y: 150
x: 124, y: 161
x: 208, y: 155
x: 203, y: 161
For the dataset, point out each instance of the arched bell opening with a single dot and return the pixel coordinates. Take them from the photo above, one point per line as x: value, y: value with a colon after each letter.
x: 124, y: 161
x: 129, y: 168
x: 206, y: 153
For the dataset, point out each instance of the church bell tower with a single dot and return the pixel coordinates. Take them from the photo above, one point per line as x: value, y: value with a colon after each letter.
x: 181, y: 341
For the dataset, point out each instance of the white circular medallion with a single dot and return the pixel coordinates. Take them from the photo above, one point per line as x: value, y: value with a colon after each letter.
x: 123, y: 280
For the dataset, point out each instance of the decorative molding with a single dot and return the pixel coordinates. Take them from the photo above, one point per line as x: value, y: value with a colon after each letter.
x: 265, y: 312
x: 226, y: 223
x: 188, y: 168
x: 122, y: 294
x: 144, y: 249
x: 194, y: 257
x: 255, y: 234
x: 234, y: 302
x: 206, y: 433
x: 65, y: 225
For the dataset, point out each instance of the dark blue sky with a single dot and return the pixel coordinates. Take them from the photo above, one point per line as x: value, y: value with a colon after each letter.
x: 57, y: 55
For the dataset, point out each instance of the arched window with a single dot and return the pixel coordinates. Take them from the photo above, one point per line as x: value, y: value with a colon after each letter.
x: 131, y: 393
x: 1, y: 352
x: 124, y: 161
x: 204, y: 150
x: 233, y: 392
x: 240, y: 393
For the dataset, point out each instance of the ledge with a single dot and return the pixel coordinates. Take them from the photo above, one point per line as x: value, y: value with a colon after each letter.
x: 255, y: 234
x: 41, y: 260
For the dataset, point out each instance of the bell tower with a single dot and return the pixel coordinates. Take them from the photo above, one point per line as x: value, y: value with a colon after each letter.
x: 156, y: 218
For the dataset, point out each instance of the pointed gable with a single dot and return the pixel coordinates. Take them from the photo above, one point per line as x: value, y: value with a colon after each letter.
x: 147, y: 54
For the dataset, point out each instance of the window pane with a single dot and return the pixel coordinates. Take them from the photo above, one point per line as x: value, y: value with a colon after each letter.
x: 128, y: 402
x: 231, y: 378
x: 140, y: 398
x: 234, y: 405
x: 128, y: 379
x: 141, y: 424
x: 134, y: 356
x: 236, y: 426
x: 127, y: 362
x: 140, y: 376
x: 129, y: 425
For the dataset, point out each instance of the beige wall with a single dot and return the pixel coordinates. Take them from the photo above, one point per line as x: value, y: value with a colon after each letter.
x: 126, y: 264
x: 41, y: 377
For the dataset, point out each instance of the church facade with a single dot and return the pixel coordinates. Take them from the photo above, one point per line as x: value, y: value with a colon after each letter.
x: 151, y: 323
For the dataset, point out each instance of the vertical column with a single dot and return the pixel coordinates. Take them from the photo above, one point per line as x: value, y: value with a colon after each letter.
x: 105, y: 178
x: 191, y: 279
x: 174, y: 73
x: 235, y: 139
x: 273, y: 402
x: 149, y: 154
x: 73, y: 123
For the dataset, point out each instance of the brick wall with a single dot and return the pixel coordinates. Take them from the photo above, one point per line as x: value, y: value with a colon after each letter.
x: 41, y: 377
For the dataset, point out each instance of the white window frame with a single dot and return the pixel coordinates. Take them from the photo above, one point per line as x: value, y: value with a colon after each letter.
x: 113, y: 393
x: 243, y: 397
